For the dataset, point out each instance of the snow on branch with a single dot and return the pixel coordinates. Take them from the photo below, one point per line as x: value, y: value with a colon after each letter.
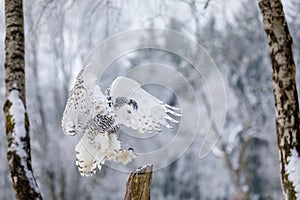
x: 18, y: 124
x: 293, y: 171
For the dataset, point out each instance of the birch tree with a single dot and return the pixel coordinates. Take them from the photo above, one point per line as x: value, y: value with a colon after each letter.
x: 285, y: 93
x: 16, y: 118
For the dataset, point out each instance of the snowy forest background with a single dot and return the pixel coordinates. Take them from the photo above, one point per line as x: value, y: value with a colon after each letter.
x: 60, y: 33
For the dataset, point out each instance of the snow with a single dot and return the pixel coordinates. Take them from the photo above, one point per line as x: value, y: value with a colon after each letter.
x: 17, y: 111
x: 218, y: 152
x: 234, y: 133
x: 293, y: 170
x: 144, y: 168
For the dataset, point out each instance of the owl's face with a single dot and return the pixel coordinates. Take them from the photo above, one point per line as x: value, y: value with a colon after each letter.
x: 125, y: 112
x: 124, y: 106
x: 129, y: 107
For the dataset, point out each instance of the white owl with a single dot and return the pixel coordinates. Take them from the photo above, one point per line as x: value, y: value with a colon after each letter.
x: 96, y: 117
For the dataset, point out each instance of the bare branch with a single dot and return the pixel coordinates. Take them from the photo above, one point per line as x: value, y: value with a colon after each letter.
x: 206, y: 4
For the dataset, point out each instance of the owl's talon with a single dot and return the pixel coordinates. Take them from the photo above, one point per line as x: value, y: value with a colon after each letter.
x: 130, y: 149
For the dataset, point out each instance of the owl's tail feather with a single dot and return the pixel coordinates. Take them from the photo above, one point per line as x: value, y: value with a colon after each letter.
x: 87, y: 159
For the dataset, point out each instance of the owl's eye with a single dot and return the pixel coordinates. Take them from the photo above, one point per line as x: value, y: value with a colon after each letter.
x: 129, y: 111
x: 133, y: 104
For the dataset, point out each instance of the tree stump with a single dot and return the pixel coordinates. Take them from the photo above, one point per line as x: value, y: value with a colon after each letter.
x: 139, y: 184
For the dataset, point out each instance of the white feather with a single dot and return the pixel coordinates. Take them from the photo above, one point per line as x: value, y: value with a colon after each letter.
x: 90, y: 155
x: 85, y: 101
x: 151, y: 113
x: 88, y: 112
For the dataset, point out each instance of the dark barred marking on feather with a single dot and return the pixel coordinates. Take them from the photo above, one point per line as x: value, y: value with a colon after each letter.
x: 100, y: 123
x: 113, y: 130
x: 120, y: 101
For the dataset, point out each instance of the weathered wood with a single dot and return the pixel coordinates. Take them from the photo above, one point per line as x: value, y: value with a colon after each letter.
x: 139, y: 184
x: 17, y: 127
x: 284, y: 85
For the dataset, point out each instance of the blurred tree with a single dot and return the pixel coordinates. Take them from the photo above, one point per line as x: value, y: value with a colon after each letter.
x: 285, y: 89
x: 245, y: 138
x: 17, y: 123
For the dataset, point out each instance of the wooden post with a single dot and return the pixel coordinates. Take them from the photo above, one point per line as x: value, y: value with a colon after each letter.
x: 139, y: 184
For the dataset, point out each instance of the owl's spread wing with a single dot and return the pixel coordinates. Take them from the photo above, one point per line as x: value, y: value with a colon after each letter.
x: 151, y: 113
x: 85, y: 101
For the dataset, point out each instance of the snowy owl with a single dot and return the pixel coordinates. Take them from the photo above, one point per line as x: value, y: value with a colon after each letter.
x: 96, y: 117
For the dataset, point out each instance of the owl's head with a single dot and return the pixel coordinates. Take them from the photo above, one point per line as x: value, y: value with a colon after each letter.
x: 124, y: 104
x: 125, y: 109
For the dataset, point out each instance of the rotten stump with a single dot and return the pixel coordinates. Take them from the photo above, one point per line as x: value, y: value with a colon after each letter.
x: 139, y: 184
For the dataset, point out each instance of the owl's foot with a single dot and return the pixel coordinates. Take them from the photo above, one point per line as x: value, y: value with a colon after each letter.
x: 111, y: 154
x: 125, y: 156
x: 120, y: 155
